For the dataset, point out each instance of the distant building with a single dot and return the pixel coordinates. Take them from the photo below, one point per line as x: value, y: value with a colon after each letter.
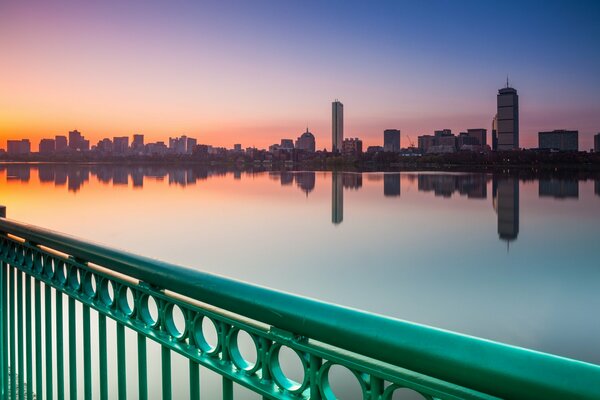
x: 306, y: 142
x: 286, y: 144
x: 78, y: 142
x: 137, y: 145
x: 120, y: 144
x: 495, y: 133
x: 190, y: 145
x: 180, y: 145
x: 466, y: 142
x: 508, y: 119
x: 156, y: 149
x: 443, y: 141
x: 561, y: 140
x: 60, y: 143
x: 237, y: 147
x: 47, y: 146
x: 374, y: 149
x: 337, y: 126
x: 597, y: 143
x: 352, y: 147
x: 391, y: 140
x: 105, y: 146
x: 480, y: 134
x: 18, y: 147
x: 425, y: 142
x: 273, y: 148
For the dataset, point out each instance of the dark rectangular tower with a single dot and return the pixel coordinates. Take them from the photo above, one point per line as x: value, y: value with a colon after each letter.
x: 508, y: 119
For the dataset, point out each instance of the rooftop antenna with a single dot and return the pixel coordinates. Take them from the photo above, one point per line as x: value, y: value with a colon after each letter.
x: 507, y: 81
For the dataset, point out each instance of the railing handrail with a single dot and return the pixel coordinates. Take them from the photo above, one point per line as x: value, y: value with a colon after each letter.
x: 487, y: 366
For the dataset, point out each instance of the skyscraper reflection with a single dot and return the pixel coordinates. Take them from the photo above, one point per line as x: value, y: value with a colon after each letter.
x: 306, y: 181
x: 337, y: 198
x: 18, y: 172
x: 559, y: 188
x: 391, y: 185
x: 474, y: 186
x: 506, y: 203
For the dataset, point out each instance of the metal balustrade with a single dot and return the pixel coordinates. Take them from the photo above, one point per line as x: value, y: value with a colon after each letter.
x: 385, y: 356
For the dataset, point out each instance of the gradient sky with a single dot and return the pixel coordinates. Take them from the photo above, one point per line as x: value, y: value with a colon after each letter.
x: 252, y: 72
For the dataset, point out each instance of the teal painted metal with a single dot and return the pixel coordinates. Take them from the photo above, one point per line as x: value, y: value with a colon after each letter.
x: 87, y: 354
x: 72, y: 350
x: 121, y: 363
x: 103, y: 357
x: 383, y: 354
x: 28, y: 336
x: 142, y: 368
x: 60, y: 364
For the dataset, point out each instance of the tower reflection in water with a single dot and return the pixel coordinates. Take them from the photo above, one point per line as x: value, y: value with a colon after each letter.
x: 337, y: 198
x: 506, y: 203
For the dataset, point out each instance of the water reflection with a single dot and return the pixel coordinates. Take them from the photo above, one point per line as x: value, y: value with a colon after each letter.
x: 505, y: 188
x: 337, y: 199
x: 474, y: 186
x: 559, y: 188
x: 506, y: 203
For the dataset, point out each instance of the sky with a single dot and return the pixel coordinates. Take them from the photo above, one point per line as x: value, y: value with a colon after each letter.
x: 253, y: 72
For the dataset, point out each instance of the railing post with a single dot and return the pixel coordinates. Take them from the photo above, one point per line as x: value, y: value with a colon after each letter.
x: 4, y: 330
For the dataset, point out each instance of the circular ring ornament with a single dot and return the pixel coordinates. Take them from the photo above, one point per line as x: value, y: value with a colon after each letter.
x: 200, y: 337
x: 73, y: 278
x: 146, y: 303
x: 170, y: 323
x: 236, y: 355
x: 89, y: 284
x: 325, y: 387
x: 125, y: 304
x: 106, y: 292
x: 280, y: 378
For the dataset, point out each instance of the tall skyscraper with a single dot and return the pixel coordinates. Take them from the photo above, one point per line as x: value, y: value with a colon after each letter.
x: 391, y: 140
x: 337, y: 126
x: 597, y: 143
x: 508, y: 119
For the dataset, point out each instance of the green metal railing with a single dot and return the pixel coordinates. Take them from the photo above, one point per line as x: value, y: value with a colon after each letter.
x: 175, y: 307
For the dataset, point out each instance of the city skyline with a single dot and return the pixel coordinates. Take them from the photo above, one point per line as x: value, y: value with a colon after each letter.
x: 187, y: 77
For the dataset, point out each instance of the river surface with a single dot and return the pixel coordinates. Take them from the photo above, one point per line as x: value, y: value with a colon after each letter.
x: 495, y: 256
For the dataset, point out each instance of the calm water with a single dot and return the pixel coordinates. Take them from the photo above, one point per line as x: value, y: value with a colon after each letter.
x: 498, y: 257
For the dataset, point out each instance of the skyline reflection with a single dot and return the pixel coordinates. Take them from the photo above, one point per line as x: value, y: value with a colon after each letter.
x: 472, y: 186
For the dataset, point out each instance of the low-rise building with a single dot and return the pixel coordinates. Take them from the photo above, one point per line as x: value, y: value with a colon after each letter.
x: 352, y: 147
x: 18, y: 147
x: 47, y: 146
x: 560, y: 139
